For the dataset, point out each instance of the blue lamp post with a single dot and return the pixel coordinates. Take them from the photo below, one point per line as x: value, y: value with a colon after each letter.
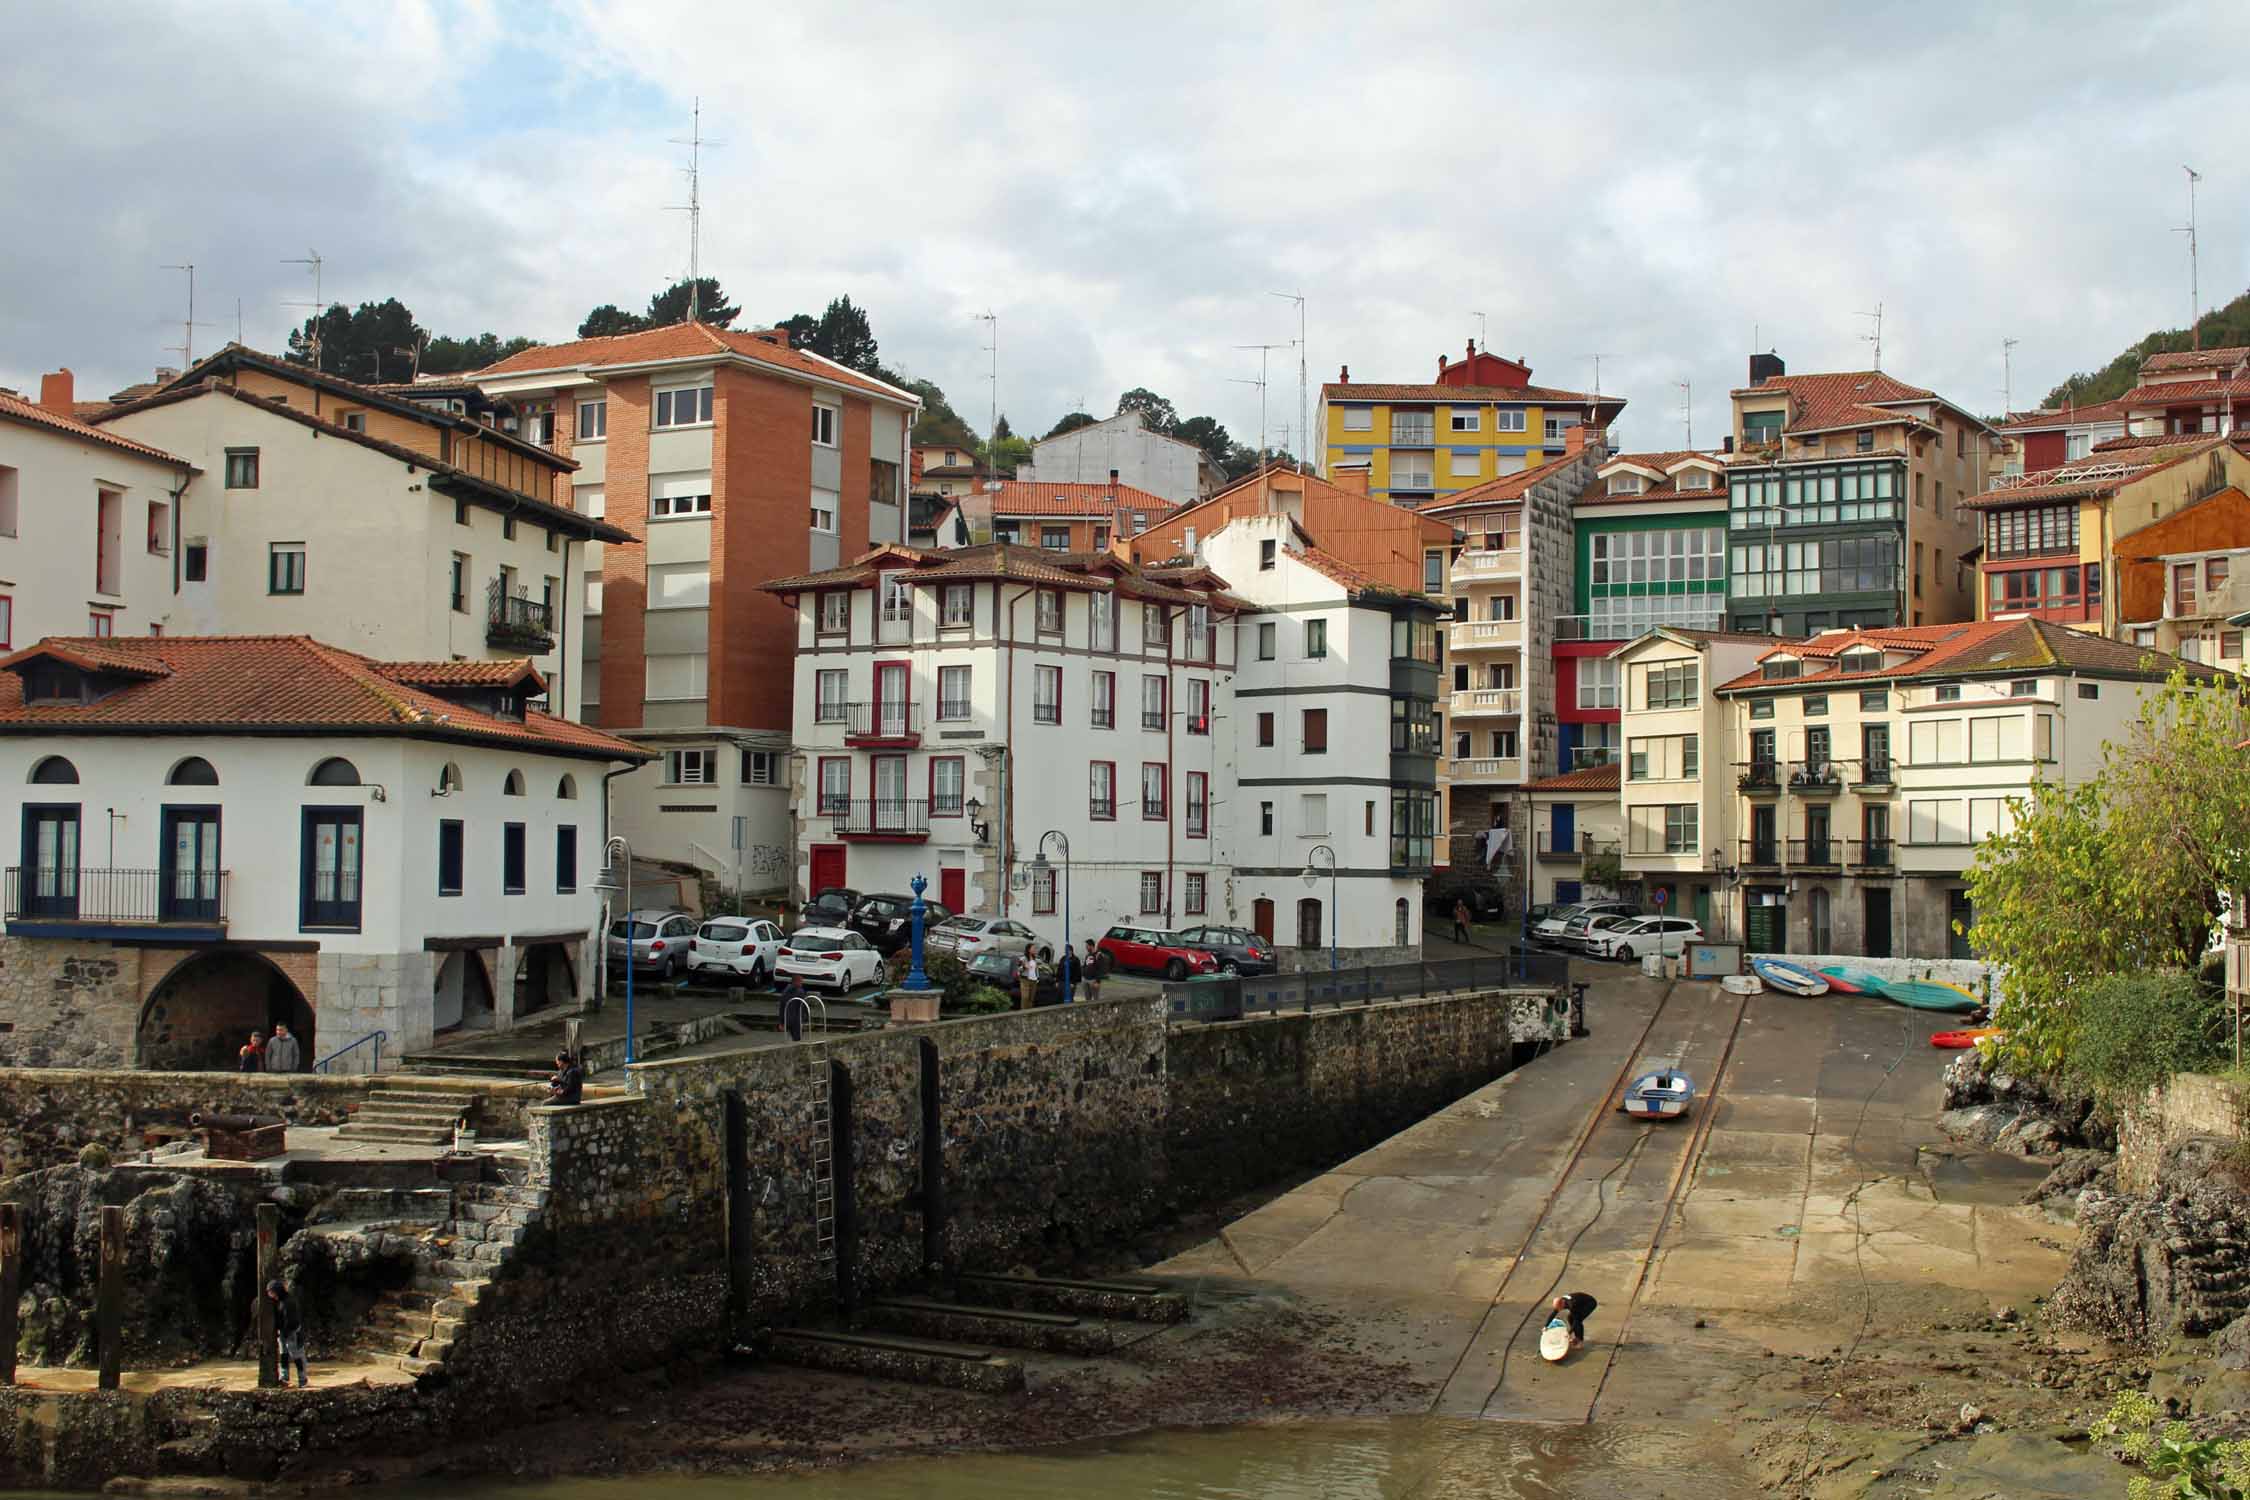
x: 1039, y: 868
x: 915, y: 978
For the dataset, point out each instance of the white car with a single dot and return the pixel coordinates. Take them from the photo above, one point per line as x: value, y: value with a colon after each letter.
x: 735, y: 948
x: 967, y: 937
x: 1637, y: 936
x: 832, y: 956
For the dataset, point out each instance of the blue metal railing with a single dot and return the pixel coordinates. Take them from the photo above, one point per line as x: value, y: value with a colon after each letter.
x: 375, y: 1037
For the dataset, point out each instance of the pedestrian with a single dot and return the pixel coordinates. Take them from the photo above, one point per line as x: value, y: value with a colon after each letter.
x: 289, y: 1333
x: 796, y: 1010
x: 1071, y: 969
x: 1460, y: 919
x: 1574, y: 1310
x: 1096, y: 962
x: 568, y: 1085
x: 284, y: 1053
x: 252, y: 1057
x: 1027, y: 982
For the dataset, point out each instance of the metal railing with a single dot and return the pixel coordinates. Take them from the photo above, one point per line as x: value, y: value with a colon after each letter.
x: 513, y: 618
x: 1761, y: 854
x: 373, y: 1040
x: 1575, y: 846
x: 1105, y: 718
x: 1226, y: 998
x: 1824, y: 853
x: 1815, y: 776
x: 1152, y: 718
x: 1687, y: 611
x: 888, y: 720
x: 1421, y: 434
x: 1103, y: 808
x: 116, y: 897
x: 879, y: 816
x: 1877, y: 854
x: 1761, y: 776
x: 1877, y: 771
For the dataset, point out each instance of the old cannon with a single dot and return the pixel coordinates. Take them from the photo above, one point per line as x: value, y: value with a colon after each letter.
x: 231, y: 1137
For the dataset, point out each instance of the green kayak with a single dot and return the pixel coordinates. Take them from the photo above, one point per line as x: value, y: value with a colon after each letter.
x: 1919, y: 994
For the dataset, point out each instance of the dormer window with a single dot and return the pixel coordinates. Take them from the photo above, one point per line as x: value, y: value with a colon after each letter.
x: 46, y: 684
x: 1692, y: 479
x: 1861, y: 661
x: 1774, y: 671
x: 1626, y: 484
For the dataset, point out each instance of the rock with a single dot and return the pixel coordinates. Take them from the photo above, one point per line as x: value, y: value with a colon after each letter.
x: 1971, y: 1414
x: 2172, y: 1262
x: 2006, y: 1315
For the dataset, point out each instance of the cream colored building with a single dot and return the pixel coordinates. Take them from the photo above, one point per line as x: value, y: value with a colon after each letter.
x: 1576, y: 823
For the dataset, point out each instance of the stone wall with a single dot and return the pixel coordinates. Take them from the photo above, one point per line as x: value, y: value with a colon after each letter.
x: 66, y: 1004
x: 2188, y: 1105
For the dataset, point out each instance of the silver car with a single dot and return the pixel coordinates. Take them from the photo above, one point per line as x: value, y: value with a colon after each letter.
x: 966, y: 937
x: 657, y: 937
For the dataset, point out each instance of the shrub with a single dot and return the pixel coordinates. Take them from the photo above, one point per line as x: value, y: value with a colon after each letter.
x: 978, y: 1000
x: 2133, y: 1030
x: 2173, y: 1461
x: 93, y: 1156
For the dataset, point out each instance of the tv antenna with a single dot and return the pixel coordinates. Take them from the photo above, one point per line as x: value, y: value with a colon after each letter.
x: 693, y: 208
x: 1480, y: 328
x: 1875, y: 338
x: 311, y: 258
x: 1260, y: 383
x: 2195, y: 292
x: 991, y: 320
x: 2008, y: 378
x: 1304, y: 417
x: 1687, y: 411
x: 186, y: 345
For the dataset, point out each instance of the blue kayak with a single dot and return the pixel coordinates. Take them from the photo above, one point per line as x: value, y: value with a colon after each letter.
x: 1789, y: 978
x: 1917, y: 994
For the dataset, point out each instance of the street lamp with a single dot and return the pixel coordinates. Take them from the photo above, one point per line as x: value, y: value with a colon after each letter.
x: 1726, y: 875
x: 1039, y: 871
x: 617, y: 875
x: 1312, y: 878
x: 978, y: 827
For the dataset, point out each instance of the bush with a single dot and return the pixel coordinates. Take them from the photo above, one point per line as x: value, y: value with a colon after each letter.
x: 978, y: 1000
x: 2133, y: 1030
x: 93, y: 1156
x: 2172, y: 1460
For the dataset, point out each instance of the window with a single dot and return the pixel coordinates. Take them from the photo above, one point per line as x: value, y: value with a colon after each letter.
x: 1266, y: 550
x: 101, y: 623
x: 10, y: 490
x: 1949, y: 692
x: 159, y: 527
x: 760, y: 768
x: 329, y: 868
x: 835, y: 614
x: 1625, y: 484
x: 566, y: 859
x: 2024, y: 687
x: 1266, y: 633
x: 1316, y: 731
x: 449, y: 856
x: 1414, y: 638
x: 1101, y: 790
x: 1152, y: 703
x: 1152, y: 892
x: 1467, y: 463
x: 1670, y: 685
x: 1312, y: 813
x: 1046, y: 695
x: 953, y: 692
x: 508, y: 528
x: 1359, y: 419
x: 1101, y: 622
x: 1054, y: 538
x: 1507, y: 420
x: 285, y: 568
x: 459, y: 583
x: 1265, y: 818
x: 823, y: 425
x: 685, y: 407
x: 1103, y: 692
x: 511, y: 859
x: 683, y: 504
x: 957, y: 604
x: 1152, y: 792
x: 829, y: 689
x: 1199, y: 706
x: 1464, y: 419
x: 2230, y: 645
x: 1201, y: 643
x: 1680, y: 829
x: 2089, y: 690
x: 242, y: 468
x: 1265, y: 729
x: 1156, y: 630
x: 1196, y: 882
x: 1050, y: 612
x: 1198, y: 804
x: 195, y: 560
x: 1597, y: 683
x: 1433, y: 572
x: 948, y: 786
x: 2183, y: 588
x: 1316, y: 638
x: 835, y: 787
x: 690, y: 767
x: 1815, y: 706
x: 680, y: 676
x: 823, y: 511
x: 593, y: 421
x: 1043, y: 890
x: 1664, y: 757
x: 2214, y: 571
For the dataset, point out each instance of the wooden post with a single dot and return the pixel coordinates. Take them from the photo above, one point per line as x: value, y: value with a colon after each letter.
x: 11, y: 1285
x: 269, y: 1252
x: 572, y: 1032
x: 109, y: 1298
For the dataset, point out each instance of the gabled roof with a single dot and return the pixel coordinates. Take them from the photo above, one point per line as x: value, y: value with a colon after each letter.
x: 1666, y: 468
x: 1601, y: 778
x: 1356, y: 582
x: 2194, y: 359
x: 1686, y: 635
x: 2142, y: 397
x: 2096, y: 474
x: 2056, y: 418
x: 280, y: 684
x: 1506, y: 489
x: 1995, y: 647
x: 1037, y: 497
x: 1851, y: 398
x: 687, y: 341
x: 506, y: 673
x: 14, y: 408
x: 1098, y: 572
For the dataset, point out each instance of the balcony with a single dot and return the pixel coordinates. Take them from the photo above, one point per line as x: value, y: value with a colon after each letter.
x: 1153, y: 718
x: 1875, y: 775
x: 1874, y: 854
x: 1476, y: 635
x: 1761, y: 854
x: 1483, y: 565
x: 190, y: 905
x: 888, y: 820
x: 1816, y: 854
x: 888, y: 725
x: 1571, y: 848
x: 514, y: 621
x: 1760, y: 778
x: 1686, y: 611
x: 1488, y: 702
x: 1407, y: 432
x: 1507, y: 768
x: 1815, y: 778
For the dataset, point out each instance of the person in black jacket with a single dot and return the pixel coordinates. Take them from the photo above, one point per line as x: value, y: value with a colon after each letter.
x: 568, y: 1085
x: 289, y: 1333
x: 1576, y: 1308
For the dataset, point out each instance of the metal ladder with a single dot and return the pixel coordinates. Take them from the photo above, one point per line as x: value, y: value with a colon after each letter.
x: 823, y: 1144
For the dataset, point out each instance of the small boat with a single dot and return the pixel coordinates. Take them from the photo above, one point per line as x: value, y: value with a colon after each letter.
x: 1844, y: 982
x: 1959, y: 1039
x: 1789, y: 978
x: 1928, y: 994
x: 1742, y: 984
x: 1661, y: 1095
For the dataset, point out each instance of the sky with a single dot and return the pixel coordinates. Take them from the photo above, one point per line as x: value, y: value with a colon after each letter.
x: 1666, y: 187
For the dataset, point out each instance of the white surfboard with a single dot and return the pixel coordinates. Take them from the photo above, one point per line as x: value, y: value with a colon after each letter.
x: 1554, y: 1343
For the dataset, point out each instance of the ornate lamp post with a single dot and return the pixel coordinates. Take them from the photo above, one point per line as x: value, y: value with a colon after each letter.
x: 915, y: 978
x: 1039, y: 869
x: 1312, y: 878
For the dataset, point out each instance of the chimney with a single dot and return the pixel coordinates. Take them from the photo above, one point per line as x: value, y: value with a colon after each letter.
x: 1344, y: 375
x: 1574, y: 439
x: 1441, y: 366
x: 1765, y: 367
x: 1726, y: 444
x: 58, y: 391
x: 1472, y: 349
x: 1113, y: 479
x: 166, y: 374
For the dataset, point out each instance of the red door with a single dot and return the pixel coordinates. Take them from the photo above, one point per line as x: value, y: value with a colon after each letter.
x: 1261, y: 918
x: 953, y: 888
x: 827, y: 868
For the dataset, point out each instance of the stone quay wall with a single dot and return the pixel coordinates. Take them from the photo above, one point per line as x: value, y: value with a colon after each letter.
x: 2183, y: 1106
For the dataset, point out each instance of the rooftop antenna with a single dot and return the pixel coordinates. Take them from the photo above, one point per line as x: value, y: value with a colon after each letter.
x: 1594, y: 407
x: 693, y: 208
x: 1687, y: 411
x: 238, y: 320
x: 2195, y: 292
x: 1304, y: 417
x: 1260, y: 383
x: 1875, y: 338
x: 186, y: 345
x: 1480, y: 328
x: 2008, y: 378
x: 311, y: 258
x: 991, y: 320
x: 413, y: 353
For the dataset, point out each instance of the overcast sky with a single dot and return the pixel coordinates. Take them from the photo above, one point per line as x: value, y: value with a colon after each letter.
x: 1659, y: 185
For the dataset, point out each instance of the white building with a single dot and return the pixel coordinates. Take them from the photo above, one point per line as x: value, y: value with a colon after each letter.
x: 219, y: 833
x: 1577, y: 825
x: 89, y: 523
x: 1122, y: 449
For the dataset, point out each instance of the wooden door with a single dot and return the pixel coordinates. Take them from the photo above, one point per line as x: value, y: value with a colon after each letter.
x: 1261, y: 918
x: 953, y: 888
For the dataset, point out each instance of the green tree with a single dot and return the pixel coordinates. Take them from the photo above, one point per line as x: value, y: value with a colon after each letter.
x: 1008, y: 454
x: 1001, y: 431
x: 671, y: 305
x: 1206, y: 433
x: 374, y: 342
x: 939, y: 422
x: 609, y: 320
x: 2222, y: 328
x: 841, y: 333
x: 1156, y: 412
x: 1071, y: 422
x: 451, y: 356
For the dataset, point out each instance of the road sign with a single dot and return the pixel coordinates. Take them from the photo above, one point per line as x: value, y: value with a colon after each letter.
x: 1660, y: 894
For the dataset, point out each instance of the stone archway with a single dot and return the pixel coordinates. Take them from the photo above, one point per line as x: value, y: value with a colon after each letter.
x: 198, y: 1016
x: 461, y: 994
x: 545, y: 976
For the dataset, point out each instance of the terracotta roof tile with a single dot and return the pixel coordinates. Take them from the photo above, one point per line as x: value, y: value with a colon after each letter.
x: 1667, y: 488
x: 503, y: 673
x: 2195, y: 359
x: 1602, y: 778
x: 245, y: 684
x: 1534, y: 395
x: 14, y: 408
x: 2182, y: 392
x: 1846, y: 399
x: 1356, y: 580
x: 686, y: 341
x: 1506, y: 489
x: 1036, y: 497
x: 2102, y: 473
x: 1994, y: 646
x: 2058, y: 417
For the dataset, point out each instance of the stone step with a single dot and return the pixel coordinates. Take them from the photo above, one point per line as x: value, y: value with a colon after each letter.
x: 512, y: 1194
x: 491, y: 1234
x: 513, y: 1069
x: 415, y: 1366
x: 1136, y: 1301
x: 400, y: 1114
x: 389, y: 1340
x: 965, y: 1367
x: 449, y: 1288
x: 1058, y: 1333
x: 413, y: 1135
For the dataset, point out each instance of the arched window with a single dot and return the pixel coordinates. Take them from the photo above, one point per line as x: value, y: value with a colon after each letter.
x: 1309, y: 925
x: 449, y: 778
x: 513, y: 786
x: 194, y: 771
x: 1820, y: 934
x: 54, y: 771
x: 1401, y: 922
x: 567, y: 788
x: 334, y: 771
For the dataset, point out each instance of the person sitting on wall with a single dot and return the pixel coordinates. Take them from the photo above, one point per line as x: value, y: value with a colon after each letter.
x: 568, y: 1085
x: 252, y: 1057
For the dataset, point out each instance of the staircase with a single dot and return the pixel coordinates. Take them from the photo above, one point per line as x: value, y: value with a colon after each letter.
x: 421, y: 1117
x: 417, y: 1325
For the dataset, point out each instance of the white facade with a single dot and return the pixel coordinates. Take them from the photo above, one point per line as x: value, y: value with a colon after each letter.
x: 1179, y: 471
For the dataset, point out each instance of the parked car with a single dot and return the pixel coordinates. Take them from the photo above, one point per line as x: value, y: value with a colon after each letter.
x: 965, y: 937
x: 1551, y: 930
x: 735, y: 948
x: 654, y: 941
x: 1003, y: 971
x: 887, y: 920
x: 1541, y: 912
x: 834, y: 956
x: 1584, y: 928
x: 1238, y: 949
x: 830, y: 907
x: 1636, y: 936
x: 1487, y: 898
x: 1152, y: 950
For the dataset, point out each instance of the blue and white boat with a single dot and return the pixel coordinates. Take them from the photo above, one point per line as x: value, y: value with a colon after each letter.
x: 1789, y: 978
x: 1662, y: 1095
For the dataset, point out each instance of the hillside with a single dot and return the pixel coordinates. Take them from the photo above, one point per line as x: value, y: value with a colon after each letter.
x: 2222, y: 328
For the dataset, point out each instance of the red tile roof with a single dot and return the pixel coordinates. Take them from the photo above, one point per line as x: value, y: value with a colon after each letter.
x: 248, y: 684
x: 14, y: 408
x: 1602, y: 778
x: 1356, y: 581
x: 2194, y: 359
x: 505, y: 673
x: 1036, y: 497
x: 1848, y: 399
x: 2055, y: 418
x: 1995, y: 646
x: 687, y: 341
x: 1508, y: 488
x: 1530, y: 395
x: 1667, y: 488
x: 2096, y: 474
x: 2185, y: 392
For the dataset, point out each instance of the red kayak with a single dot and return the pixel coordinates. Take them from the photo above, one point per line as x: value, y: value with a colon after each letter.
x: 1841, y: 985
x: 1959, y: 1039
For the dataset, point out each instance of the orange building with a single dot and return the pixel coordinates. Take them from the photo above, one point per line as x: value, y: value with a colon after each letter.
x: 1397, y: 547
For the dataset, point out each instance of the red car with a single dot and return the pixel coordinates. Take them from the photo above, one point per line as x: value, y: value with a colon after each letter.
x: 1152, y: 950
